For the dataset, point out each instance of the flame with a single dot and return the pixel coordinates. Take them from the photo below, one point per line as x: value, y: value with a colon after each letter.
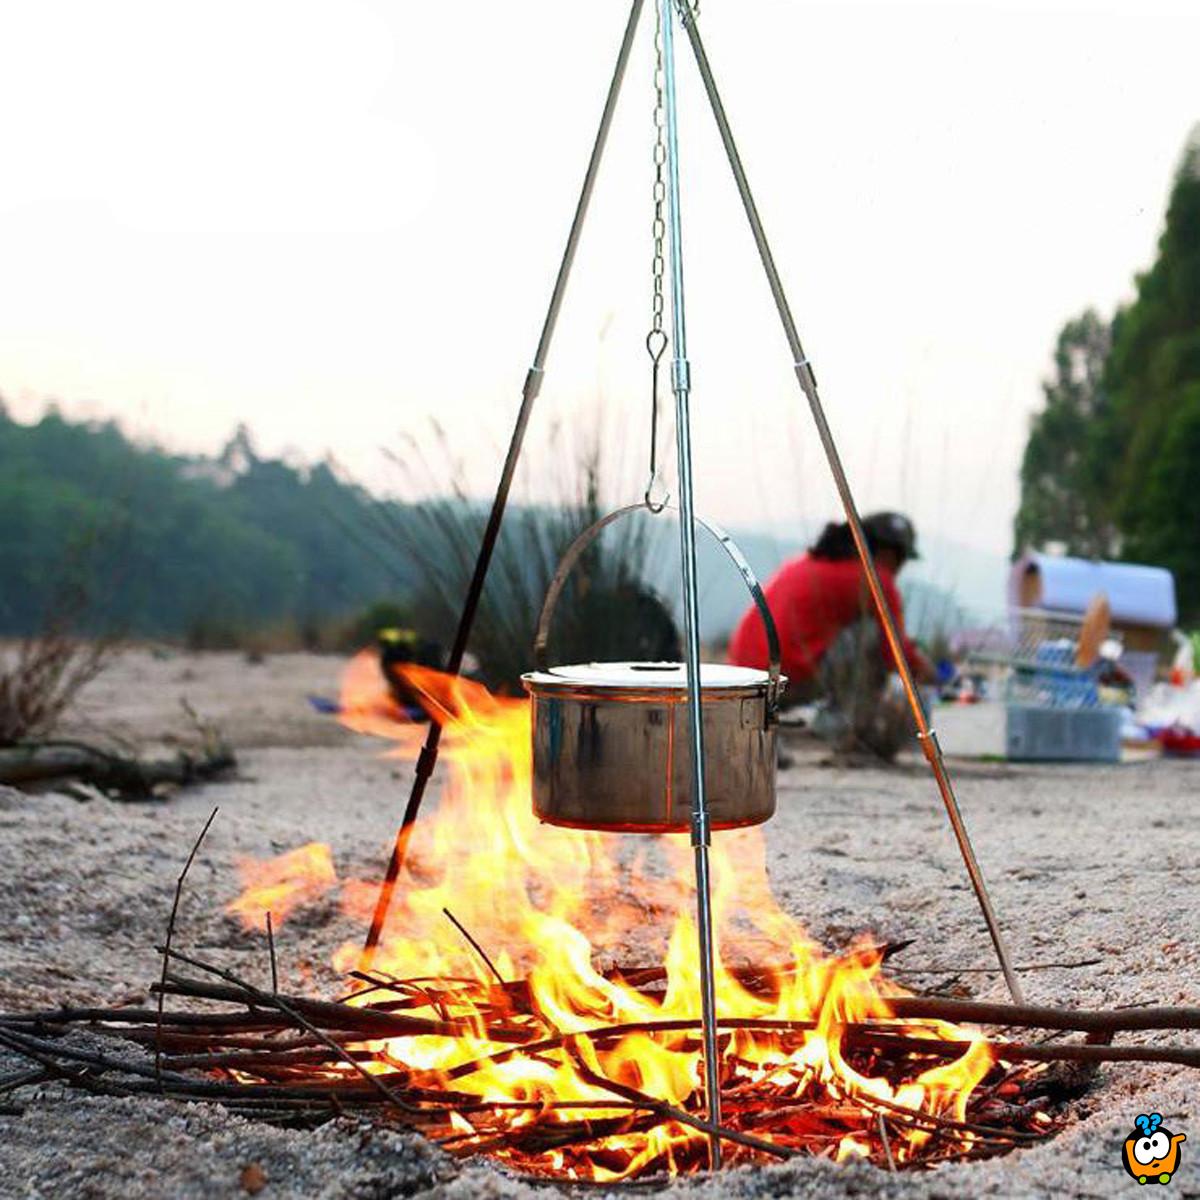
x: 280, y: 885
x: 559, y: 908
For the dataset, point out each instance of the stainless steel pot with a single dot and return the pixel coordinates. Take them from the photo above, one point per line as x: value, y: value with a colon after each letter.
x: 611, y: 749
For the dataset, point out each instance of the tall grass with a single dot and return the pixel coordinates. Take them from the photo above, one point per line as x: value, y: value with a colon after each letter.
x: 607, y: 610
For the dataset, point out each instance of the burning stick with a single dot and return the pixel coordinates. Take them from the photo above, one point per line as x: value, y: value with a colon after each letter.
x: 669, y: 1110
x: 887, y: 1148
x: 491, y: 966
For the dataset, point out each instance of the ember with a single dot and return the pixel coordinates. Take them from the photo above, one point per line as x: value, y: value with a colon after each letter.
x: 594, y: 1072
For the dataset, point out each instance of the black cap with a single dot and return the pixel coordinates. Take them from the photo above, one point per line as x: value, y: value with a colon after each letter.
x: 891, y: 529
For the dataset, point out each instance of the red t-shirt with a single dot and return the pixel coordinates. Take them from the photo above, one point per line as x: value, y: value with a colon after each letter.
x: 812, y: 601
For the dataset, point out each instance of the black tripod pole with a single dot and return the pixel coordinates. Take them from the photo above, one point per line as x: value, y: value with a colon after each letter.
x: 808, y: 384
x: 427, y: 759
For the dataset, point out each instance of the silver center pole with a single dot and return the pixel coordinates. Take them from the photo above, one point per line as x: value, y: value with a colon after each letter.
x: 681, y: 385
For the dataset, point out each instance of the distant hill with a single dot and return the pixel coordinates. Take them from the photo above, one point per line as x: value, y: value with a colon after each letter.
x: 173, y: 546
x: 207, y: 548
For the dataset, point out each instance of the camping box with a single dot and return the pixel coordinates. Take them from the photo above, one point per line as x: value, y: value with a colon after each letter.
x: 1141, y: 601
x: 1042, y: 733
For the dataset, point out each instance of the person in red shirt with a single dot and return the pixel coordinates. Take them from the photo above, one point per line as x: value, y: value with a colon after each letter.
x: 826, y: 619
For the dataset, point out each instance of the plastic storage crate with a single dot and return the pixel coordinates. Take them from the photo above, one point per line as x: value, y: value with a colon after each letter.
x: 1041, y: 733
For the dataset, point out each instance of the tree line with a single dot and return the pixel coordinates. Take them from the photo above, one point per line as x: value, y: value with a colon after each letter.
x: 128, y: 537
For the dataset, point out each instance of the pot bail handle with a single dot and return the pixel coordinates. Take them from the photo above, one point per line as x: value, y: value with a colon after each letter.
x: 589, y: 535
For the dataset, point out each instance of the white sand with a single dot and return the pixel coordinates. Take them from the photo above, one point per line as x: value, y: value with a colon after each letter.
x: 1084, y: 862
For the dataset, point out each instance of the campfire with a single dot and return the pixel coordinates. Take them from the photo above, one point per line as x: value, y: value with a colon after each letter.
x: 557, y: 1058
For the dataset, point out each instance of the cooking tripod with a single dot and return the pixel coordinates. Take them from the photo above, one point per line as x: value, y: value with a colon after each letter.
x: 670, y: 13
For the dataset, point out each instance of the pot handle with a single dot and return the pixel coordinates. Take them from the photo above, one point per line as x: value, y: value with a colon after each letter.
x: 589, y: 535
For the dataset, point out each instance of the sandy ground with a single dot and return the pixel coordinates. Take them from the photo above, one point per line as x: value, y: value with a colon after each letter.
x: 1084, y: 862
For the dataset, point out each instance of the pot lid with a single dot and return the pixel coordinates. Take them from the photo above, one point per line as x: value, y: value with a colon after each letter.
x: 666, y: 676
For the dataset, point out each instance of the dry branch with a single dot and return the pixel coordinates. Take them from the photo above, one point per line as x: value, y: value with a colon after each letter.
x: 1042, y: 1017
x: 121, y: 775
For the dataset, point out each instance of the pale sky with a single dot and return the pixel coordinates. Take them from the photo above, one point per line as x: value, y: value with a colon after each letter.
x: 337, y: 220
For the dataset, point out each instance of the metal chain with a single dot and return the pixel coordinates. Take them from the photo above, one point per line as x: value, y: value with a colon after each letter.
x: 656, y: 339
x: 659, y: 226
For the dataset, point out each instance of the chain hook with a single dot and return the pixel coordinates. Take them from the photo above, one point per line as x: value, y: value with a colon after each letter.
x: 656, y: 504
x: 656, y: 496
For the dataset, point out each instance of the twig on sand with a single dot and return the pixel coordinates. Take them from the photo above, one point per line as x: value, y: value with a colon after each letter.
x: 947, y: 1008
x: 20, y: 1079
x: 166, y: 952
x: 1037, y: 966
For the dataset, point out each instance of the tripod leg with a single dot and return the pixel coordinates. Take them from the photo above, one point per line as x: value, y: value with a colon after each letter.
x: 808, y: 384
x: 427, y: 759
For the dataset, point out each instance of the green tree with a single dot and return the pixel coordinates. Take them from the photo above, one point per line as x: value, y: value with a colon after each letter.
x: 1169, y: 486
x: 1063, y: 492
x: 1149, y: 442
